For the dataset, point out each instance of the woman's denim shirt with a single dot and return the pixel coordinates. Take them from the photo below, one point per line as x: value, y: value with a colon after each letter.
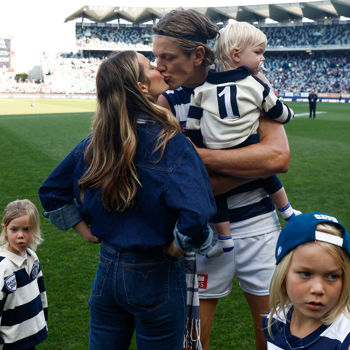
x: 174, y: 201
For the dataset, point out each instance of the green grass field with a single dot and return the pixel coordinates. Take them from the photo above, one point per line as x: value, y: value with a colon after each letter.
x: 34, y: 138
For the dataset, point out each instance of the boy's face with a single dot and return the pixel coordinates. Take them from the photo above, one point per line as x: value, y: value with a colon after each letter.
x: 251, y: 57
x: 313, y: 284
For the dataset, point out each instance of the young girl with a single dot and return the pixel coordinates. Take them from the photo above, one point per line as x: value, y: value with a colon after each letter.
x: 23, y: 302
x: 310, y: 288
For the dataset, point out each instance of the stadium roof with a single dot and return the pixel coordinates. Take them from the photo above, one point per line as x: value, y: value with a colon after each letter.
x: 283, y: 12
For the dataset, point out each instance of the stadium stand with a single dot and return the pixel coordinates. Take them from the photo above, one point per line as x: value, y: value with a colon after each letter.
x: 300, y: 71
x: 300, y: 55
x: 93, y: 36
x: 113, y: 37
x: 290, y: 68
x: 309, y: 35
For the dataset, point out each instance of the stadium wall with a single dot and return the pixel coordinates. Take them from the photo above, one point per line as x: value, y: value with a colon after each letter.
x: 322, y: 97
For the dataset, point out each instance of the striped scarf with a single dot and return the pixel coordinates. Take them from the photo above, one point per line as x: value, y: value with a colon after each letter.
x: 192, y: 332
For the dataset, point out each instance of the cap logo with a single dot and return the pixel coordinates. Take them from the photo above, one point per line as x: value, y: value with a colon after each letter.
x: 279, y: 251
x: 326, y: 217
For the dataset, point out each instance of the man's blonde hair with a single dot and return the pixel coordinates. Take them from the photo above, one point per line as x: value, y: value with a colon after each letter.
x: 237, y: 35
x: 188, y: 29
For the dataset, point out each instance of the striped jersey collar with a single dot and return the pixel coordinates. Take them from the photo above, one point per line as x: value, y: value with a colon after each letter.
x: 16, y: 259
x: 228, y: 76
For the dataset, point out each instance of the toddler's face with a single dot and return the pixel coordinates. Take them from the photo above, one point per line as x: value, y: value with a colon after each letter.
x: 18, y: 234
x: 314, y: 282
x: 252, y: 57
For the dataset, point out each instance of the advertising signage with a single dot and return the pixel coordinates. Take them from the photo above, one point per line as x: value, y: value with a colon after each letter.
x: 5, y: 53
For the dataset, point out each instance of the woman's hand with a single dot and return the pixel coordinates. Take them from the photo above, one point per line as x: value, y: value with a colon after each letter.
x: 84, y: 231
x: 174, y: 250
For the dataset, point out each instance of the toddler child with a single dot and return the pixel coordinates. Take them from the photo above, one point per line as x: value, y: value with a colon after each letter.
x: 23, y: 302
x: 225, y: 110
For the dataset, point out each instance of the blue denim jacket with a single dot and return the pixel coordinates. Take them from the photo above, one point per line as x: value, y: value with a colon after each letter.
x: 174, y: 201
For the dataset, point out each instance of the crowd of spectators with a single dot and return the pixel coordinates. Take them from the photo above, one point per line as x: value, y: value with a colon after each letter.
x: 309, y: 35
x: 63, y: 74
x: 300, y: 71
x: 288, y: 70
x: 72, y: 73
x: 113, y: 37
x: 140, y: 38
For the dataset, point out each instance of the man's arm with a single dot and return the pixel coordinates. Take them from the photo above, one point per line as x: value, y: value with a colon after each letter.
x: 269, y: 156
x: 221, y: 184
x: 231, y: 168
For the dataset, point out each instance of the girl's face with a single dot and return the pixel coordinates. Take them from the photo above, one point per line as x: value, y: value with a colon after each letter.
x: 251, y: 57
x: 156, y: 84
x: 18, y: 234
x: 314, y: 283
x: 177, y: 68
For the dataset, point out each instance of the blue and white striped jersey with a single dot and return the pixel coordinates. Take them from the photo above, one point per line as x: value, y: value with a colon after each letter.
x: 336, y: 336
x: 251, y: 210
x: 226, y: 108
x: 23, y: 301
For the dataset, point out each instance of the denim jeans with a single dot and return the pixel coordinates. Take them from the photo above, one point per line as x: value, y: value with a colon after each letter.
x: 142, y: 292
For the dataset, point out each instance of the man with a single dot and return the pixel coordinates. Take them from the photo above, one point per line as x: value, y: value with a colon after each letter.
x: 183, y: 57
x: 312, y: 103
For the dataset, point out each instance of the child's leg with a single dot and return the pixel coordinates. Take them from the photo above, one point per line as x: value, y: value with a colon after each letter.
x: 223, y: 229
x: 278, y: 194
x: 224, y: 242
x: 280, y: 198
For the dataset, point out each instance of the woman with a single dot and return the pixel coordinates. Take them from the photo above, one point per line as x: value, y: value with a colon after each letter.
x: 138, y: 185
x: 180, y: 45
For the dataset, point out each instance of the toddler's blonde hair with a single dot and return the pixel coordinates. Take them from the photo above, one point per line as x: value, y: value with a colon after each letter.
x: 16, y: 209
x: 237, y: 35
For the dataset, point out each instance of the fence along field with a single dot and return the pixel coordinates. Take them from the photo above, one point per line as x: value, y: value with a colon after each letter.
x: 37, y: 134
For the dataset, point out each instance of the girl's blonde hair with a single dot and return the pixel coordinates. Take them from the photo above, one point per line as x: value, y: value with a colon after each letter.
x: 237, y: 35
x: 279, y: 299
x: 112, y: 147
x: 16, y: 209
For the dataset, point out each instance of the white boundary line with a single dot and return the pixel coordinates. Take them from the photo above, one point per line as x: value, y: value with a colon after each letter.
x: 307, y: 114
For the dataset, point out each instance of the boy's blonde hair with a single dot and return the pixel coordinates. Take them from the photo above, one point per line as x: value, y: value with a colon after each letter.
x: 279, y: 299
x: 237, y: 35
x: 17, y: 209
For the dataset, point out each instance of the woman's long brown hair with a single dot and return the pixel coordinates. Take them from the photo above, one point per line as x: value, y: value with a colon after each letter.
x: 112, y: 147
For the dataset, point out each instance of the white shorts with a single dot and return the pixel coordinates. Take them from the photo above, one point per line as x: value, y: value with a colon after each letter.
x: 252, y: 261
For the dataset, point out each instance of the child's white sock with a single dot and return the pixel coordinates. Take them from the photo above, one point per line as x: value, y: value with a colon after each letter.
x: 288, y: 212
x: 223, y: 245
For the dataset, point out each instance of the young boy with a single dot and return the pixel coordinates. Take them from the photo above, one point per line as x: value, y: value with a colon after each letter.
x: 225, y: 111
